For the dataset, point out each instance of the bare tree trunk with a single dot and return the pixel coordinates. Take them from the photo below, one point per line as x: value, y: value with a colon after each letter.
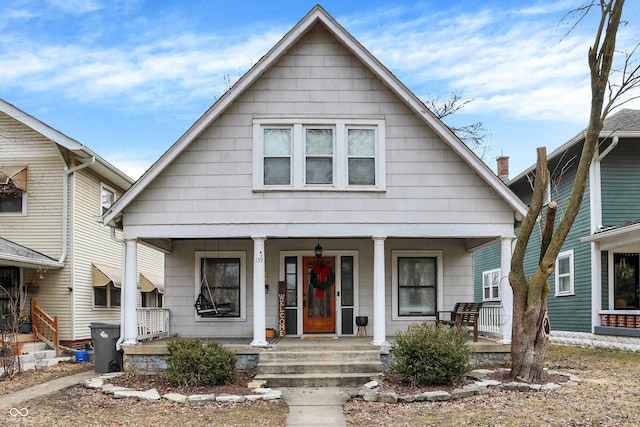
x: 530, y: 322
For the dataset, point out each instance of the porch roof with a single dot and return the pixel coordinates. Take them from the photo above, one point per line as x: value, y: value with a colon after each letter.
x: 616, y: 237
x: 13, y: 254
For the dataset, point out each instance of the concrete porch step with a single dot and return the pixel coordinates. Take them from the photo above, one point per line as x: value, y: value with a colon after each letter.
x: 315, y: 364
x: 317, y: 379
x: 320, y: 355
x: 313, y: 367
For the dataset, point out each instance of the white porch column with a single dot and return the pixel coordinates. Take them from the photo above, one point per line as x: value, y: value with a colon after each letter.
x: 379, y: 315
x: 259, y: 298
x: 129, y: 330
x: 506, y: 293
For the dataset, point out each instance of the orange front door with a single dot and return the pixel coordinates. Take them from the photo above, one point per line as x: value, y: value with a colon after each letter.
x: 319, y: 295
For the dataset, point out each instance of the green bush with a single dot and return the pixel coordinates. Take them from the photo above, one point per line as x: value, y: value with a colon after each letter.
x: 191, y: 363
x: 428, y: 354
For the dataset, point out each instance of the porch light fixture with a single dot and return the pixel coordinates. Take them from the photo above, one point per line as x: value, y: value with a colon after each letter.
x: 318, y: 250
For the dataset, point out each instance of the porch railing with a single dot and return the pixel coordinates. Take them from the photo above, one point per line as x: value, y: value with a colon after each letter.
x: 45, y: 327
x: 491, y: 319
x: 152, y: 323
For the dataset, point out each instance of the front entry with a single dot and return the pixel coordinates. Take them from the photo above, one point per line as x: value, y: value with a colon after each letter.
x: 319, y: 295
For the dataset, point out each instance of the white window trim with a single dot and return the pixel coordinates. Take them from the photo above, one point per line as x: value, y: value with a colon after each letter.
x: 104, y: 186
x: 22, y: 212
x: 298, y: 155
x: 394, y: 282
x: 110, y: 307
x: 243, y: 283
x: 571, y: 291
x: 492, y: 272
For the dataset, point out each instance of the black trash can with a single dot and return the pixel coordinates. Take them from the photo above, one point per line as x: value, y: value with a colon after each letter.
x: 105, y: 335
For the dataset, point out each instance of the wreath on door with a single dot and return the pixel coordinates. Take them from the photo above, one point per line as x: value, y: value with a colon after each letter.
x: 322, y: 278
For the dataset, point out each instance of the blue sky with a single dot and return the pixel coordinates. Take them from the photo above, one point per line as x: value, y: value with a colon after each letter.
x: 127, y: 77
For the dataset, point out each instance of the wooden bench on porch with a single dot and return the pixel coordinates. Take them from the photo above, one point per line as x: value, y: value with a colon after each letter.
x: 463, y: 314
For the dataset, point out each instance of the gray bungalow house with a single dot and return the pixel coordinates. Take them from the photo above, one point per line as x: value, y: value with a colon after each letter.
x: 595, y: 291
x: 318, y: 189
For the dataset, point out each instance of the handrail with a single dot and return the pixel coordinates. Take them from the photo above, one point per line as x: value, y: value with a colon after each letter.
x: 45, y: 327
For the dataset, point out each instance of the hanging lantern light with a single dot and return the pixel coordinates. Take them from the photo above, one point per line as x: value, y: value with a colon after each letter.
x: 318, y: 250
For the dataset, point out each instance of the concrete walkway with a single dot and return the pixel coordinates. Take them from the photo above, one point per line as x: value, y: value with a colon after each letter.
x: 315, y: 406
x: 15, y: 399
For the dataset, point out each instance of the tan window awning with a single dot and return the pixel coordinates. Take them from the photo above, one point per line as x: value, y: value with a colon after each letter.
x: 14, y: 174
x: 102, y: 275
x: 150, y: 282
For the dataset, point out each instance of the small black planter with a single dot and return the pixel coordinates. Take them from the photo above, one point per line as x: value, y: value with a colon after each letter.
x: 362, y: 320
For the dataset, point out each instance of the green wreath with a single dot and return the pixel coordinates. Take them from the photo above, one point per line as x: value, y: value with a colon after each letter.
x: 322, y: 277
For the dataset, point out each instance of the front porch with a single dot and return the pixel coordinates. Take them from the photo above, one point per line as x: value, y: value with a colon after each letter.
x: 150, y: 356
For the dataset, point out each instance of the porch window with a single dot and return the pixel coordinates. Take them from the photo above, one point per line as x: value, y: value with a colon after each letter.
x: 318, y: 154
x: 221, y: 283
x: 491, y: 285
x: 417, y: 280
x: 626, y: 280
x: 564, y: 274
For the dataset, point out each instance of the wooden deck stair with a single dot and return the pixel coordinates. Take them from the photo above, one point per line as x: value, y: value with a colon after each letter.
x: 313, y: 364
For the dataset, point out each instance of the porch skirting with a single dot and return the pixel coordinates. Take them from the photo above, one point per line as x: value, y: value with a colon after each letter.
x: 585, y: 339
x: 150, y: 357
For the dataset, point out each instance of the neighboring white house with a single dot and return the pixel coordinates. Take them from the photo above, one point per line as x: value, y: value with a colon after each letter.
x: 52, y: 191
x: 317, y: 147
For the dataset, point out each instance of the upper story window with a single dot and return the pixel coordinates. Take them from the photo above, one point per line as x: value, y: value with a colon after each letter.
x: 13, y: 190
x: 564, y: 273
x: 491, y: 285
x: 311, y: 154
x: 107, y: 198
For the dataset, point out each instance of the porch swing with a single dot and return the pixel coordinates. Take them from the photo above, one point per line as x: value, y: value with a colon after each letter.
x: 208, y: 306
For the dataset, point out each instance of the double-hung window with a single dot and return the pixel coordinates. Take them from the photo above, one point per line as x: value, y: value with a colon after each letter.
x: 564, y: 274
x: 107, y: 198
x: 416, y: 283
x: 491, y: 285
x: 318, y: 154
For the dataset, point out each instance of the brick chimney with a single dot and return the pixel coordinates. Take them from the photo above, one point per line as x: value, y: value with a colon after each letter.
x: 503, y: 168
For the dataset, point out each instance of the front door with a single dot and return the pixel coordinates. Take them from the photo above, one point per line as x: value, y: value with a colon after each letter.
x: 319, y: 295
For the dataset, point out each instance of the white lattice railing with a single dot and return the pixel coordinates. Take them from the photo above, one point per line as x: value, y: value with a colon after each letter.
x: 152, y: 323
x: 491, y: 319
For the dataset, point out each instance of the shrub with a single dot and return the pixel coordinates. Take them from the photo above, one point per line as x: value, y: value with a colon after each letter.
x: 428, y: 354
x: 191, y: 363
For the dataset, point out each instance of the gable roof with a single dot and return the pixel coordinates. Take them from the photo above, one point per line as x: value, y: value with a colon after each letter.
x: 99, y: 166
x: 624, y: 124
x: 317, y: 15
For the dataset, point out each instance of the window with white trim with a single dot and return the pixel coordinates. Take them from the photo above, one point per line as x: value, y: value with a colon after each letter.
x: 107, y: 198
x: 221, y: 281
x: 416, y: 283
x: 13, y: 190
x: 318, y: 154
x: 491, y: 285
x: 564, y: 274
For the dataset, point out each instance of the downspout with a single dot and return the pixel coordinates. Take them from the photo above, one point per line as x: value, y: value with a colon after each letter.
x: 595, y: 196
x: 65, y: 199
